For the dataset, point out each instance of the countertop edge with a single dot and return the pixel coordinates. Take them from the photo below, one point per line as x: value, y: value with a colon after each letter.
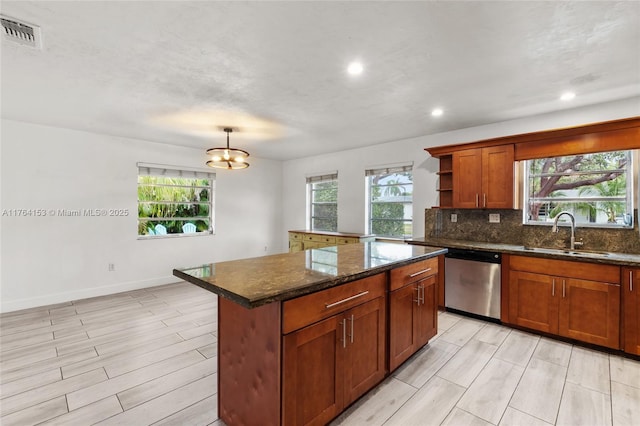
x: 619, y: 259
x: 312, y: 288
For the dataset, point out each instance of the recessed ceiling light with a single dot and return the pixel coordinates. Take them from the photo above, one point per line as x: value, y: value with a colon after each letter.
x: 355, y: 68
x: 437, y: 112
x: 567, y: 96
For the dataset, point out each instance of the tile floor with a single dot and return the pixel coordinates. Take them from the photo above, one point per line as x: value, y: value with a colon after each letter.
x: 149, y: 357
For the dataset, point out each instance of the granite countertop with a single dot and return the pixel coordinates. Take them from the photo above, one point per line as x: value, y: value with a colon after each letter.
x: 610, y: 258
x: 257, y: 281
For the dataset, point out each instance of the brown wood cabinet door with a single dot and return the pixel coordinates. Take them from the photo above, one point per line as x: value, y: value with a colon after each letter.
x: 631, y: 303
x: 312, y: 370
x: 427, y: 311
x: 533, y: 301
x: 403, y: 315
x: 365, y: 349
x: 467, y: 178
x: 497, y: 177
x: 590, y: 312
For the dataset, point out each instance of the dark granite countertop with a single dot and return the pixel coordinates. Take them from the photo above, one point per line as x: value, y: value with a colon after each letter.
x: 610, y: 258
x: 257, y: 281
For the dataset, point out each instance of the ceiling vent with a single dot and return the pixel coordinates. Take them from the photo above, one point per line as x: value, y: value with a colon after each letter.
x: 20, y: 32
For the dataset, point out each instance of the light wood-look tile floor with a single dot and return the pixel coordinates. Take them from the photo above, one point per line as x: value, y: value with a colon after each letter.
x: 149, y: 357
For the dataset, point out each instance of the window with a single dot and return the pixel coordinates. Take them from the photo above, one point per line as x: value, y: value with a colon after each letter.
x: 595, y: 188
x: 174, y: 201
x: 390, y: 201
x: 322, y: 193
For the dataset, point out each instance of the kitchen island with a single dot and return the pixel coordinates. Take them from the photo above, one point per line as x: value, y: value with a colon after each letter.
x: 303, y: 335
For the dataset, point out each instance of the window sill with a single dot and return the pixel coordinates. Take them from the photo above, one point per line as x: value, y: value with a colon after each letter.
x: 161, y: 237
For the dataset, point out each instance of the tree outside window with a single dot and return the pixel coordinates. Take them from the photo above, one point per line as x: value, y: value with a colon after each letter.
x: 390, y: 208
x: 596, y: 188
x: 323, y: 202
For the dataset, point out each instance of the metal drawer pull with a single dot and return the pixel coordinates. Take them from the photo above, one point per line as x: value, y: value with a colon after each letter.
x: 630, y: 280
x: 553, y: 287
x: 417, y: 300
x: 477, y: 200
x: 419, y: 273
x: 484, y: 200
x: 339, y: 302
x: 351, y: 335
x: 421, y: 290
x: 344, y: 333
x: 563, y: 285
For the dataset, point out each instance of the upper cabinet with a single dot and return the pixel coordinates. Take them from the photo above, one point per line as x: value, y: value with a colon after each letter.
x: 480, y: 174
x: 483, y: 178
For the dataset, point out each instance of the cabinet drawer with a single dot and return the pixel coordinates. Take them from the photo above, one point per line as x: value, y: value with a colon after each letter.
x: 294, y: 236
x: 305, y: 310
x: 347, y: 240
x: 410, y: 273
x: 566, y: 268
x: 320, y: 238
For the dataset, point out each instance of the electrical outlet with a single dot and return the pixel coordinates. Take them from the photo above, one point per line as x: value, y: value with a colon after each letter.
x: 112, y: 267
x: 494, y: 218
x: 454, y: 217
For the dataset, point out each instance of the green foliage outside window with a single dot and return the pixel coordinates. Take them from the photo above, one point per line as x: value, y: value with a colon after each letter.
x: 591, y: 186
x: 390, y: 204
x: 173, y: 202
x: 324, y: 205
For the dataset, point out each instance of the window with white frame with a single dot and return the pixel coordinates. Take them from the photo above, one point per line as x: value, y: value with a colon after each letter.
x: 174, y: 201
x: 596, y: 188
x: 390, y: 201
x: 322, y: 209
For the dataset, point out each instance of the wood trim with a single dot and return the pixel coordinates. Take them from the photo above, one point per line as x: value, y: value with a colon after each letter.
x: 504, y: 289
x: 525, y: 138
x: 580, y: 144
x: 440, y: 303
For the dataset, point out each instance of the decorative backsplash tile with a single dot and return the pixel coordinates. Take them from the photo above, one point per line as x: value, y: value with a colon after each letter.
x: 473, y: 225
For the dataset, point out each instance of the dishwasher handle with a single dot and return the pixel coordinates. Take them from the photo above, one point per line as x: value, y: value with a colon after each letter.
x: 474, y: 255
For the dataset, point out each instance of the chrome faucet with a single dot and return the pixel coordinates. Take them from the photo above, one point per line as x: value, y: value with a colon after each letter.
x: 573, y: 228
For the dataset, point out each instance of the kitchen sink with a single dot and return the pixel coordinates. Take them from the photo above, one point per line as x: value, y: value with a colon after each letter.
x: 587, y: 253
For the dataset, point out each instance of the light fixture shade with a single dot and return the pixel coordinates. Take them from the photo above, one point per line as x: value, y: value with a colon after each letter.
x: 228, y: 158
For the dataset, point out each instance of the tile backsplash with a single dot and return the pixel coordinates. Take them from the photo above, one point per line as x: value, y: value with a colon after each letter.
x: 473, y: 225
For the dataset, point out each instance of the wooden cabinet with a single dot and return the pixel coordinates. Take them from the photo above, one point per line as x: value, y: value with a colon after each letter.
x: 330, y: 363
x: 413, y: 312
x: 532, y: 301
x: 445, y: 187
x: 304, y: 360
x: 483, y: 177
x: 571, y: 299
x: 631, y: 308
x: 304, y: 240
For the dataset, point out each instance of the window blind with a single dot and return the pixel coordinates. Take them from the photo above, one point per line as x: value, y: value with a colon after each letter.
x: 388, y: 170
x: 174, y: 171
x: 322, y: 178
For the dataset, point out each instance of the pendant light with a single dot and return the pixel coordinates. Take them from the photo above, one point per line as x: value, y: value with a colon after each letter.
x: 228, y: 158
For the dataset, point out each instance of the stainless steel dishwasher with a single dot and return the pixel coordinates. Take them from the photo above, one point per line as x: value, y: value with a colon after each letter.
x: 472, y: 282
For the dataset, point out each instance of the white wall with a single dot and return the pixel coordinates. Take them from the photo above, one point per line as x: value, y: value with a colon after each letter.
x: 352, y: 163
x: 351, y: 183
x: 54, y: 259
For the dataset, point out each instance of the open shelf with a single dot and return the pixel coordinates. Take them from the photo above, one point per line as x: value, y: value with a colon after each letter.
x: 446, y: 181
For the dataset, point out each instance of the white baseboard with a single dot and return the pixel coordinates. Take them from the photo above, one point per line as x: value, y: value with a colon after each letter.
x: 51, y: 299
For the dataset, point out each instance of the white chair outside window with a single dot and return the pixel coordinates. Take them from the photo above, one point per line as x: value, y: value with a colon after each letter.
x: 188, y: 228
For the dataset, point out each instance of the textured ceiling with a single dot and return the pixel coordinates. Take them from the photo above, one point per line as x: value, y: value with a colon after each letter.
x: 176, y: 72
